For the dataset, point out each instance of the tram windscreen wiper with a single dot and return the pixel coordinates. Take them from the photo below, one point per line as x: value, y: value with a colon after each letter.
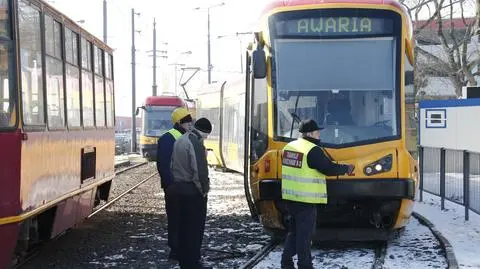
x: 294, y: 114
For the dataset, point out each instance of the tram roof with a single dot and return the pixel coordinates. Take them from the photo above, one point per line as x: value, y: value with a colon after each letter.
x: 71, y: 24
x: 164, y: 101
x: 293, y: 3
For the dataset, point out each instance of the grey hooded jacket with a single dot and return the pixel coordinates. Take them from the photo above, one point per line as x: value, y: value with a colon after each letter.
x: 189, y: 162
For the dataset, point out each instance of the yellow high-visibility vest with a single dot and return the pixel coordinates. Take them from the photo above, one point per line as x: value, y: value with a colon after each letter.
x: 301, y: 183
x: 175, y: 133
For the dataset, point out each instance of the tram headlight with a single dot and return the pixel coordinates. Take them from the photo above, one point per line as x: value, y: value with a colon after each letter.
x: 380, y: 166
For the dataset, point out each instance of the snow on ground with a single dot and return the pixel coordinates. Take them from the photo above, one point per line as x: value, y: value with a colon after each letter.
x: 326, y: 258
x: 463, y: 235
x: 416, y: 248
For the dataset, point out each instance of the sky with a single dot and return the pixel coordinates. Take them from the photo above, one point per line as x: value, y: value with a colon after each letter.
x: 184, y: 29
x: 179, y: 25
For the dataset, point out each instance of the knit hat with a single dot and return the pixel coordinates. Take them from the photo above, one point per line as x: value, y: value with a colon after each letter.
x: 307, y: 126
x: 203, y: 125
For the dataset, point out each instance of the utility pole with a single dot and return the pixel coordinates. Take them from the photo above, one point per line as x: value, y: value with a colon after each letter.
x: 134, y: 107
x: 105, y: 21
x: 209, y: 67
x: 154, y: 86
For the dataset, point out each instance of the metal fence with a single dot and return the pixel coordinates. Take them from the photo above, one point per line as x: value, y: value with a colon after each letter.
x: 454, y: 175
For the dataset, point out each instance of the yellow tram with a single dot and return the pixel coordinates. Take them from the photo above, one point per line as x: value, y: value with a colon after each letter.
x: 347, y: 65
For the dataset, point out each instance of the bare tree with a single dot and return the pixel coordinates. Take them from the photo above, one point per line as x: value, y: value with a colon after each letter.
x: 445, y: 41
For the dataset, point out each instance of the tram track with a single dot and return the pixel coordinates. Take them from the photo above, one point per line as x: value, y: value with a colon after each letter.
x: 374, y: 253
x: 36, y: 250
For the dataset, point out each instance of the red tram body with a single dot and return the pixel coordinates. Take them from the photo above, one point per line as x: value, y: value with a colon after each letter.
x: 56, y: 125
x: 156, y: 120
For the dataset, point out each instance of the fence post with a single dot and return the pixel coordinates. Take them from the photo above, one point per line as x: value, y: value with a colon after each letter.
x: 442, y: 177
x: 420, y: 164
x: 466, y: 183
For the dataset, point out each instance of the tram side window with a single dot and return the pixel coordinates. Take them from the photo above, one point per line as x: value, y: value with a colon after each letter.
x: 6, y: 104
x: 109, y: 101
x: 31, y: 63
x: 410, y: 112
x: 54, y: 70
x: 99, y: 89
x: 7, y: 116
x: 73, y: 79
x: 87, y: 84
x: 109, y: 90
x: 259, y: 123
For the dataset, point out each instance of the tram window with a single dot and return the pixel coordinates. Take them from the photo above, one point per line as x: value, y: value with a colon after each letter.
x: 259, y: 123
x: 4, y: 20
x: 55, y: 99
x: 71, y: 45
x: 87, y: 99
x: 73, y: 95
x: 98, y: 61
x: 6, y: 104
x: 99, y: 102
x: 109, y: 103
x: 86, y: 54
x: 53, y: 41
x: 31, y: 64
x: 54, y: 71
x: 108, y: 66
x: 410, y: 119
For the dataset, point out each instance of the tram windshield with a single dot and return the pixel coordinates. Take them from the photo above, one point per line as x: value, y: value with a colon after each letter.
x: 157, y: 120
x: 346, y: 85
x: 7, y: 110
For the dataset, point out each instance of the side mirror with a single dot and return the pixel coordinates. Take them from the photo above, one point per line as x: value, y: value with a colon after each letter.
x: 259, y: 63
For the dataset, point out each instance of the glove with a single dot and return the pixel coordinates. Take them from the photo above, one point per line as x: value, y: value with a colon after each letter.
x: 351, y: 167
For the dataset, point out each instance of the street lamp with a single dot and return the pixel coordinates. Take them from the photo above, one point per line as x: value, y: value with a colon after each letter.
x: 209, y: 66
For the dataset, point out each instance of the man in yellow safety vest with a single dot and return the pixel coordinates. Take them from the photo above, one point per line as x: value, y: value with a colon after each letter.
x: 304, y: 167
x: 182, y: 122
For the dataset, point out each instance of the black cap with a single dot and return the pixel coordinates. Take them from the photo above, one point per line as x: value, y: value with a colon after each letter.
x: 203, y: 125
x: 307, y: 126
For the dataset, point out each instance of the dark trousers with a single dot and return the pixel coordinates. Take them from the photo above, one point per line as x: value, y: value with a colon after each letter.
x: 172, y: 208
x: 192, y: 215
x: 302, y: 226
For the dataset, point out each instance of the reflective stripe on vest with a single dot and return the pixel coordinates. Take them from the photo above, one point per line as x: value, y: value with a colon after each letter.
x: 300, y: 182
x: 175, y: 133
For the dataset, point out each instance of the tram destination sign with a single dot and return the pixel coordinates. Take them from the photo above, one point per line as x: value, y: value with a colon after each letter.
x: 333, y: 26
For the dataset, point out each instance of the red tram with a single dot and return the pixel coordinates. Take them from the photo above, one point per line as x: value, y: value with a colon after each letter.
x: 156, y: 120
x: 56, y: 125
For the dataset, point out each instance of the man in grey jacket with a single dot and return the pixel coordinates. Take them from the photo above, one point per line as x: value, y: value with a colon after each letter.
x: 190, y: 188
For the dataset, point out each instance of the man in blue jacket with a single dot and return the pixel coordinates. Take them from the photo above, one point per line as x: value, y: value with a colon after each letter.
x: 183, y: 122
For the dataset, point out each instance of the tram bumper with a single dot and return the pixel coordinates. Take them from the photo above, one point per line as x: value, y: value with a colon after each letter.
x: 357, y: 210
x: 271, y: 189
x: 149, y: 151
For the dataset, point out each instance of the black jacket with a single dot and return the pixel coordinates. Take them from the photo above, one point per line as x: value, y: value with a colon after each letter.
x: 317, y: 159
x: 164, y: 156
